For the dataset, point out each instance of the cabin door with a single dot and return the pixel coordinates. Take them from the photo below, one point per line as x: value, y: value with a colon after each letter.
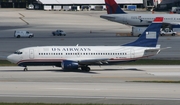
x: 132, y: 54
x: 31, y: 53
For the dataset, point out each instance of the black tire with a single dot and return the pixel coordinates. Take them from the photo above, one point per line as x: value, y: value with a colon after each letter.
x: 85, y: 69
x: 162, y: 34
x: 30, y: 36
x: 18, y: 36
x: 139, y: 35
x: 173, y: 34
x: 88, y: 69
x: 54, y: 34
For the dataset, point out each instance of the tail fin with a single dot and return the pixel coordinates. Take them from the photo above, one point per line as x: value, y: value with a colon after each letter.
x: 150, y: 36
x: 113, y: 8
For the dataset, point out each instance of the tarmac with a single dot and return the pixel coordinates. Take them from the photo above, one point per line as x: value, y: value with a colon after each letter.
x: 82, y: 27
x: 106, y: 84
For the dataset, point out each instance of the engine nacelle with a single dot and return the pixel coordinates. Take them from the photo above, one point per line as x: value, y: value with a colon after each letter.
x: 69, y: 65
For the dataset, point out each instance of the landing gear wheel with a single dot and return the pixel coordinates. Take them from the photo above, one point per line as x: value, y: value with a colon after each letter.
x: 25, y: 69
x: 85, y: 69
x: 88, y: 69
x: 18, y: 36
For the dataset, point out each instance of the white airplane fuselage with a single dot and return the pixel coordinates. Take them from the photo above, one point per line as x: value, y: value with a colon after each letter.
x: 141, y: 19
x: 75, y: 57
x: 92, y: 55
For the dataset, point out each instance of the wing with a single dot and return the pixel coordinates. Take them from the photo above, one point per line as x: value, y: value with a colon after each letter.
x: 172, y: 23
x: 93, y: 61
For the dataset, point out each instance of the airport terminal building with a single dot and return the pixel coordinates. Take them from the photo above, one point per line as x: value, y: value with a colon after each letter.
x: 161, y: 4
x: 40, y: 4
x: 16, y: 3
x: 58, y: 4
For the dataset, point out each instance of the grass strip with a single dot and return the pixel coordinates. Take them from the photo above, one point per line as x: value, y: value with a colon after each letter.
x: 57, y: 104
x: 156, y: 81
x: 6, y: 63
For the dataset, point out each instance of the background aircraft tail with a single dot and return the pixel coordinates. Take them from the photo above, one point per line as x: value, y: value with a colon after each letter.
x: 150, y: 36
x: 113, y: 8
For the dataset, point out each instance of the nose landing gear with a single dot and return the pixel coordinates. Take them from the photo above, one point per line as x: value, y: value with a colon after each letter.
x: 25, y: 69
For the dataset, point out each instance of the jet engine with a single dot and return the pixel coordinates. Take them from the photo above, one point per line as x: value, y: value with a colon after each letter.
x: 69, y: 65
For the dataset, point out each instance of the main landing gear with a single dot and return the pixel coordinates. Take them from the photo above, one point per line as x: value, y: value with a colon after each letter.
x: 25, y: 69
x: 85, y: 68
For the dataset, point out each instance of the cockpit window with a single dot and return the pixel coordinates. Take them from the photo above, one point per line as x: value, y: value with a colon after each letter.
x: 17, y: 52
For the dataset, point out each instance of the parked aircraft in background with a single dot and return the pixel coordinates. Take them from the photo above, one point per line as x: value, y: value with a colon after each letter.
x: 116, y: 14
x: 75, y: 57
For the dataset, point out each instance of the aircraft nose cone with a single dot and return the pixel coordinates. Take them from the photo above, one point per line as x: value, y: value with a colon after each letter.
x: 10, y: 58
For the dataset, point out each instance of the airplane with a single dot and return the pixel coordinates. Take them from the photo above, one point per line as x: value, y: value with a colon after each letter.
x: 75, y: 57
x: 116, y: 14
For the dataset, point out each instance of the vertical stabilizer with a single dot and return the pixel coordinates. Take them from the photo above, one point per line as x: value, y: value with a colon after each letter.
x: 150, y: 36
x: 113, y: 8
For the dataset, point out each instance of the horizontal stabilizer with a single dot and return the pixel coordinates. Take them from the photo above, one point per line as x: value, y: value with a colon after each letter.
x: 154, y: 51
x: 164, y: 48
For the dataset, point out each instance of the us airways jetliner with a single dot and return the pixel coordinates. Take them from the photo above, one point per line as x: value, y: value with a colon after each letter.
x: 116, y: 14
x: 75, y: 57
